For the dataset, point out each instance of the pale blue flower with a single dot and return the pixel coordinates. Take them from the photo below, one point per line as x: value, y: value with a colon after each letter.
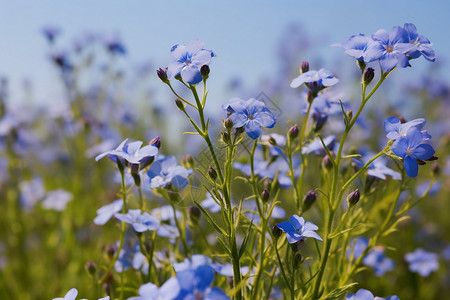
x: 106, y: 212
x: 422, y: 262
x: 296, y: 229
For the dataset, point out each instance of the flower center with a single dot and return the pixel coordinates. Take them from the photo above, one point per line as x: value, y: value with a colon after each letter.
x: 408, y: 152
x: 390, y: 48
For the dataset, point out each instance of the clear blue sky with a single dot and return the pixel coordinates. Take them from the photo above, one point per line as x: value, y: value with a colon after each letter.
x: 242, y: 33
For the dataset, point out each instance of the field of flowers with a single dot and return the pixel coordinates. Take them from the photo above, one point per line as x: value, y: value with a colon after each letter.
x: 303, y: 191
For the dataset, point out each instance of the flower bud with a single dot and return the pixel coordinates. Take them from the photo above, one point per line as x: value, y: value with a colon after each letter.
x: 107, y: 288
x: 226, y: 137
x: 228, y: 124
x: 309, y: 97
x: 435, y: 169
x: 194, y: 214
x: 308, y: 200
x: 156, y: 142
x: 304, y: 67
x: 272, y: 141
x: 265, y: 196
x: 327, y: 163
x: 297, y: 260
x: 204, y: 70
x: 368, y: 75
x: 276, y: 232
x: 110, y: 251
x: 91, y: 268
x: 179, y: 104
x: 162, y: 75
x: 353, y: 197
x: 212, y: 173
x: 293, y: 132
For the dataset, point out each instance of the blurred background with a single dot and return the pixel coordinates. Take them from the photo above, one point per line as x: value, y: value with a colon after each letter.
x: 78, y: 77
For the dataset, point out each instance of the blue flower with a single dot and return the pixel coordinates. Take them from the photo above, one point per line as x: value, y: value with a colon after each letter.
x: 168, y: 291
x: 165, y: 170
x: 251, y: 114
x: 411, y: 148
x: 363, y: 294
x: 105, y: 212
x: 422, y: 46
x: 57, y: 200
x: 422, y: 262
x: 395, y: 129
x: 297, y: 229
x: 377, y: 260
x: 187, y: 61
x: 195, y: 284
x: 377, y: 168
x: 358, y: 248
x: 323, y: 77
x: 141, y: 221
x: 72, y: 295
x: 390, y: 48
x: 316, y: 145
x: 355, y: 46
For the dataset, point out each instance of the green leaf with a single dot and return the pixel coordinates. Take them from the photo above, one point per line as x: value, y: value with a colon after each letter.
x: 211, y: 221
x: 337, y: 293
x: 224, y: 246
x: 244, y: 242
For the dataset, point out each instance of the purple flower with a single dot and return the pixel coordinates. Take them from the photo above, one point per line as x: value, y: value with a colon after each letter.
x: 149, y: 291
x: 422, y: 46
x: 363, y: 294
x: 251, y: 114
x: 323, y: 77
x: 297, y: 229
x: 195, y: 284
x: 377, y: 260
x: 411, y: 148
x: 390, y: 48
x: 164, y: 171
x: 187, y: 61
x: 422, y: 262
x: 355, y: 46
x: 141, y: 221
x: 105, y: 213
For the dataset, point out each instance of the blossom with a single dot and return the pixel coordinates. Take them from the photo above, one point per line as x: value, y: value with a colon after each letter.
x: 72, y: 294
x: 31, y: 192
x: 187, y: 61
x: 105, y: 213
x: 57, y: 200
x: 165, y: 170
x: 323, y: 77
x: 363, y: 294
x: 411, y: 148
x: 355, y: 46
x: 168, y: 291
x: 395, y: 129
x: 141, y: 221
x: 316, y: 145
x: 251, y: 114
x: 422, y: 45
x: 377, y: 168
x: 195, y: 284
x: 377, y: 260
x: 422, y: 262
x: 296, y: 229
x: 390, y: 48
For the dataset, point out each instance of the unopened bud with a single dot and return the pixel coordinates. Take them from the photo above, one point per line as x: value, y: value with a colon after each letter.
x: 162, y: 75
x: 204, y: 70
x: 349, y: 115
x: 226, y: 137
x: 353, y: 197
x: 293, y: 132
x: 265, y: 196
x: 194, y: 214
x: 179, y: 104
x: 272, y: 141
x: 327, y: 163
x: 304, y: 67
x: 188, y: 162
x: 308, y: 200
x: 110, y: 250
x: 212, y: 173
x: 309, y: 97
x: 91, y: 268
x: 156, y: 142
x: 368, y: 75
x: 435, y: 169
x: 107, y: 288
x: 297, y: 260
x: 228, y: 123
x: 276, y: 232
